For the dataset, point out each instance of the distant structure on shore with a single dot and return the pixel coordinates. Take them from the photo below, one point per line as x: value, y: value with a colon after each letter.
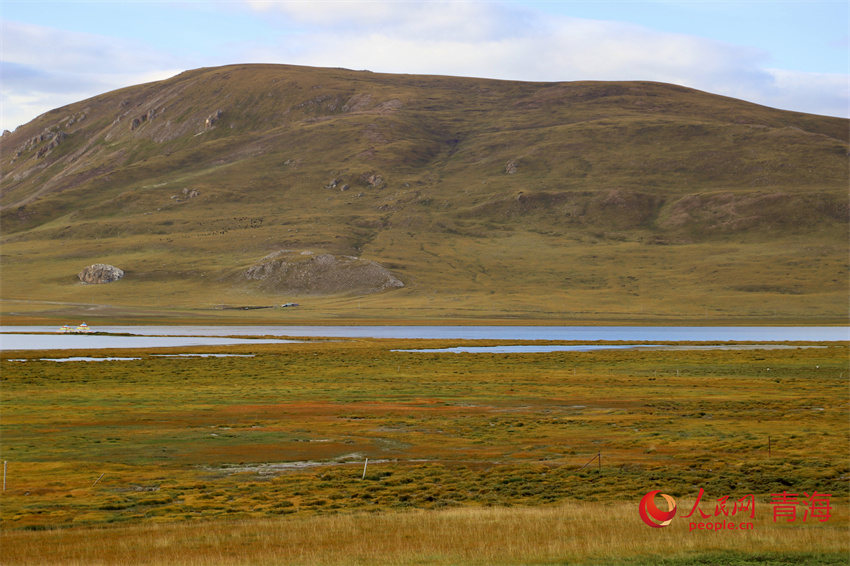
x: 82, y: 328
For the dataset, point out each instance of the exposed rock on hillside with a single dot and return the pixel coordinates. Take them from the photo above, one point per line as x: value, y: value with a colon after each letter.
x: 371, y: 179
x: 54, y: 137
x: 100, y: 273
x: 138, y: 121
x: 212, y: 119
x: 303, y: 273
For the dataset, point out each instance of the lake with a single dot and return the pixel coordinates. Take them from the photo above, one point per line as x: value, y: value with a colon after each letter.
x: 22, y: 337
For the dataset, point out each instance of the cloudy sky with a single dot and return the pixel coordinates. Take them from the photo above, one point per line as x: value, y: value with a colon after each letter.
x: 793, y: 55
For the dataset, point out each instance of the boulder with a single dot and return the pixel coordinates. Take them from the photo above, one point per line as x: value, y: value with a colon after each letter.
x: 100, y: 273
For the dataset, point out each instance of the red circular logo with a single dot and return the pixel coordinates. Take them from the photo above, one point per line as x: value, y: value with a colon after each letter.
x: 652, y: 515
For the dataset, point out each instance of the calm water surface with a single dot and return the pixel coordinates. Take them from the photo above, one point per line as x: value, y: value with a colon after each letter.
x: 16, y: 337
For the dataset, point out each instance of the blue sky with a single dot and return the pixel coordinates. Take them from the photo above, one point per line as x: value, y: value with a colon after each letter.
x: 793, y: 55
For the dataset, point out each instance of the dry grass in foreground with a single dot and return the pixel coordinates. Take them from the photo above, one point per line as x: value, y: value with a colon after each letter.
x: 584, y: 533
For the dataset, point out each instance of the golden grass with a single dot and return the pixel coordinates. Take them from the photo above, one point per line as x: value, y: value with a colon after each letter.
x: 569, y: 533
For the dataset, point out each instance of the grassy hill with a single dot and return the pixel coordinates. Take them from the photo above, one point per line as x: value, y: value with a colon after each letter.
x: 487, y: 199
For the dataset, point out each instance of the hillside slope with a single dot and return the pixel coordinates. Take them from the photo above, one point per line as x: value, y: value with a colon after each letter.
x: 483, y: 198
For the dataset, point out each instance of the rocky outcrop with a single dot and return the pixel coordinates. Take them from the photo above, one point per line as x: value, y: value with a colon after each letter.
x: 212, y: 119
x: 100, y: 273
x: 371, y: 179
x: 138, y: 121
x: 52, y: 137
x: 305, y: 273
x: 54, y: 141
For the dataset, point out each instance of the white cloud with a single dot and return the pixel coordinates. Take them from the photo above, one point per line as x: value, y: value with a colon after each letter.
x: 815, y: 93
x: 45, y: 68
x: 494, y: 40
x: 435, y: 19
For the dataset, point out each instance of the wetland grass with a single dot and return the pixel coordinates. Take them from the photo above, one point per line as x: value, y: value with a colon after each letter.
x: 473, y: 458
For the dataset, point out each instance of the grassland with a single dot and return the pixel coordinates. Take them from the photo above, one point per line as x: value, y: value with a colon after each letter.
x: 473, y: 459
x: 562, y: 202
x: 781, y: 281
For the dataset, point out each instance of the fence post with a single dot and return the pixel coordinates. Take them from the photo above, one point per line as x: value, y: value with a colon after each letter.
x: 98, y: 479
x: 599, y: 456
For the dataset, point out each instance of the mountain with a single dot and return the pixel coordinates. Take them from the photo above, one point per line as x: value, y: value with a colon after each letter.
x: 427, y: 196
